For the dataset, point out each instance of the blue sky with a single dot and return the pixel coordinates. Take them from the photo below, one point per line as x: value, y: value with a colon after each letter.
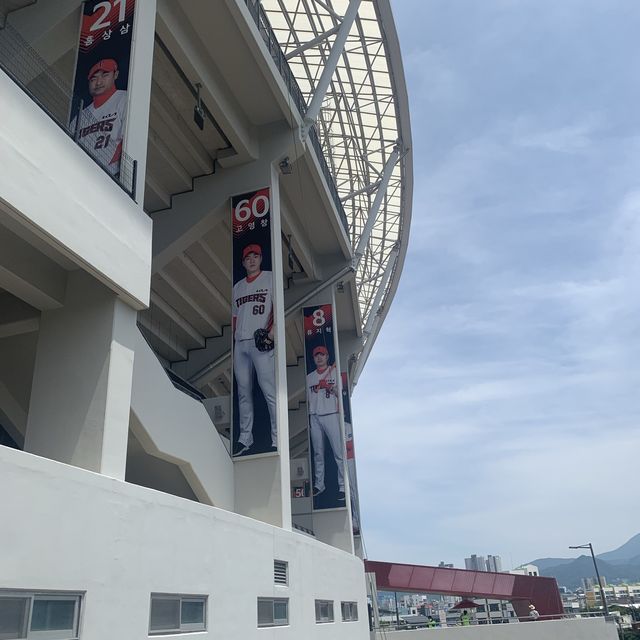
x: 499, y: 410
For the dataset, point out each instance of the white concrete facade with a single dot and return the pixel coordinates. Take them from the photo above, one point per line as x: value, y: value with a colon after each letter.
x: 137, y: 541
x: 55, y: 192
x: 114, y: 332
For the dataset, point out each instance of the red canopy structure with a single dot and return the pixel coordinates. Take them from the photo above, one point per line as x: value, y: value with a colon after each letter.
x: 517, y: 589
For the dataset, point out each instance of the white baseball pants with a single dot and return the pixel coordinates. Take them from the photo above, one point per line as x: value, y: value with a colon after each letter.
x: 246, y: 359
x: 320, y: 427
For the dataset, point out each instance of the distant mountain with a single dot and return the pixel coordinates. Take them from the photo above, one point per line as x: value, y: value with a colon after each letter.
x: 570, y: 574
x: 543, y: 563
x: 622, y: 563
x: 629, y: 551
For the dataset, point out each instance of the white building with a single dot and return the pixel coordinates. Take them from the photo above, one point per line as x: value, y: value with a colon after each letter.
x: 124, y: 513
x: 526, y: 570
x: 624, y: 593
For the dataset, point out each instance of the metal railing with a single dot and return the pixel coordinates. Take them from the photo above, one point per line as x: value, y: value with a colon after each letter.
x: 315, y: 143
x: 259, y: 16
x: 22, y: 63
x: 298, y: 527
x: 182, y: 385
x: 454, y: 622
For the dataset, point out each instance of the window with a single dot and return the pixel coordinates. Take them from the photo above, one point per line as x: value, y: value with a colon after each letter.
x: 349, y: 611
x: 31, y: 615
x: 273, y: 612
x: 280, y: 572
x: 175, y: 613
x: 324, y: 610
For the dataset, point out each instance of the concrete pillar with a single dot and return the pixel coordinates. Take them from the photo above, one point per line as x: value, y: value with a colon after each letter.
x: 262, y: 485
x: 81, y: 393
x: 349, y: 343
x: 139, y: 90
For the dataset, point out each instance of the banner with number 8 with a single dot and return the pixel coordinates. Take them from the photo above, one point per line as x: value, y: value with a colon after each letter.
x: 324, y: 408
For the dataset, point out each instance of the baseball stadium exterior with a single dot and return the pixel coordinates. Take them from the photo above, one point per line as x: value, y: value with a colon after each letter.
x: 167, y: 467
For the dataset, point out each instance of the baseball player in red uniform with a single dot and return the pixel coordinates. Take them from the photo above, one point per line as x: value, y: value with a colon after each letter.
x: 324, y: 419
x: 252, y: 310
x: 103, y: 122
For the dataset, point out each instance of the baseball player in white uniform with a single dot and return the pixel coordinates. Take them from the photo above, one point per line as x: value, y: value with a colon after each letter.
x: 102, y: 123
x: 324, y: 419
x: 253, y: 309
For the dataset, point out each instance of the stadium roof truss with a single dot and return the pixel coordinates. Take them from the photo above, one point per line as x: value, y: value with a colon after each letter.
x: 364, y: 116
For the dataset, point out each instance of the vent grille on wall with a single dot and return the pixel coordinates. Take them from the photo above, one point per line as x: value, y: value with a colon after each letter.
x: 280, y: 572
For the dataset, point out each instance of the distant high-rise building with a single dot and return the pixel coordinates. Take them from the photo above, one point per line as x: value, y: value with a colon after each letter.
x: 445, y: 565
x: 475, y: 563
x: 494, y: 563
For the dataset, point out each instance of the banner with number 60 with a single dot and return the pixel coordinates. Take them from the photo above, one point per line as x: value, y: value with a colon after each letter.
x: 254, y: 375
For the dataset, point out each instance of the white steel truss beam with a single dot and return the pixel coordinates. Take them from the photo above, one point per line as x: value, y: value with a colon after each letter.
x: 332, y: 62
x: 375, y: 207
x: 312, y: 43
x: 328, y: 9
x: 382, y: 287
x: 368, y: 189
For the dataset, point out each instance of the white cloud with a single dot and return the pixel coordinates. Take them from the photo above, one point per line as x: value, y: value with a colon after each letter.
x: 570, y: 138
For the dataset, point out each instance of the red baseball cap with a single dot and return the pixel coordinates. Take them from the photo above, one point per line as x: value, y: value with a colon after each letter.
x: 320, y: 349
x: 108, y: 64
x: 251, y: 248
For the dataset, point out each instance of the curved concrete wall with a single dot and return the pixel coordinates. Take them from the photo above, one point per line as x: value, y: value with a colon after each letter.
x: 65, y: 528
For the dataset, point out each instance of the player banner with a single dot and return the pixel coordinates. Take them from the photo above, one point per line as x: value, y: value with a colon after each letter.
x: 351, y: 457
x: 98, y: 115
x: 254, y: 373
x: 326, y: 442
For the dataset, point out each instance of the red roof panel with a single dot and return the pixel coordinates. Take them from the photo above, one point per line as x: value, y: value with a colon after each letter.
x: 521, y: 590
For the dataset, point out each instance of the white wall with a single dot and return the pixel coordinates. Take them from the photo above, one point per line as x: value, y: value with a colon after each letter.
x: 576, y: 629
x: 81, y: 390
x: 65, y: 528
x: 175, y: 427
x: 52, y: 186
